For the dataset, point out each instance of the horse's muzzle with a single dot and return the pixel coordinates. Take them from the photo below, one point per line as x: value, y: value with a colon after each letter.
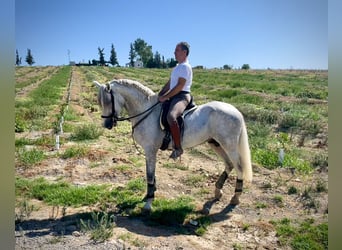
x: 109, y: 123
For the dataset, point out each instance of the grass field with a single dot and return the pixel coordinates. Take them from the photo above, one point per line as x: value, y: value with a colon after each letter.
x: 104, y: 172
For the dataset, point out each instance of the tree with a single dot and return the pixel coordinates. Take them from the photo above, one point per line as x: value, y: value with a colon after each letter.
x: 171, y: 63
x: 17, y: 58
x: 245, y: 66
x: 157, y: 60
x: 132, y: 55
x: 113, y: 59
x: 29, y: 58
x: 226, y: 66
x: 102, y: 61
x: 143, y: 50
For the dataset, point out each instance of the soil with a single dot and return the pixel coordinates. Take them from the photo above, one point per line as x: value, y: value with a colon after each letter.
x: 246, y: 226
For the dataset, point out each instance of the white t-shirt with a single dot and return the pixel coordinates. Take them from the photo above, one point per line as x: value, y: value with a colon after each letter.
x: 183, y: 70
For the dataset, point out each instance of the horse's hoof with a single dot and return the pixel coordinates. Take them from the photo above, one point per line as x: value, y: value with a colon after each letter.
x: 234, y: 201
x: 218, y: 194
x: 146, y: 210
x: 205, y: 211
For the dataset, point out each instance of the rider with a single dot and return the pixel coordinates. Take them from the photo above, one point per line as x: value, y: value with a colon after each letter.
x: 177, y: 91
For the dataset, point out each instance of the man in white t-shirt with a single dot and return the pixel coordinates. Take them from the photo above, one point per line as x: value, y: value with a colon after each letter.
x: 177, y: 91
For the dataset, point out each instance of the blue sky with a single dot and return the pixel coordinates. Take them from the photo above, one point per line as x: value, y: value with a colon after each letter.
x: 277, y: 34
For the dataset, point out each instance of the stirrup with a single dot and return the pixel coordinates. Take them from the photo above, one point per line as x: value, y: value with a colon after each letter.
x: 176, y: 153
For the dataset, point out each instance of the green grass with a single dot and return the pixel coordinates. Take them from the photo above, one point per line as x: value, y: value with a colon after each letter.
x: 61, y: 193
x: 86, y: 132
x: 30, y: 157
x: 172, y: 211
x: 32, y: 111
x: 302, y: 235
x: 74, y: 152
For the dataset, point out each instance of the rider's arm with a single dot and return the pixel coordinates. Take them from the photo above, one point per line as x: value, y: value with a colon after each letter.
x: 178, y: 88
x: 165, y: 88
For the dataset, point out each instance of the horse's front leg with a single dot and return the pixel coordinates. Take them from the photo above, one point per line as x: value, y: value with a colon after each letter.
x: 151, y: 180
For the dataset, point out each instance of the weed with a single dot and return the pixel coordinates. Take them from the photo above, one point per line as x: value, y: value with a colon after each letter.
x: 74, y: 152
x: 237, y: 246
x: 86, y: 132
x: 25, y: 210
x: 195, y: 180
x: 279, y: 200
x: 292, y: 190
x: 321, y: 186
x: 100, y: 226
x: 30, y: 157
x: 260, y: 205
x: 20, y: 124
x: 176, y: 165
x: 304, y: 235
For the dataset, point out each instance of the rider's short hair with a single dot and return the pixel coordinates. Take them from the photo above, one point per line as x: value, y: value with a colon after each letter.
x: 185, y: 46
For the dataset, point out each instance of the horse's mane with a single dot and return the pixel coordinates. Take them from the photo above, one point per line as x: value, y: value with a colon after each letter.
x: 137, y: 85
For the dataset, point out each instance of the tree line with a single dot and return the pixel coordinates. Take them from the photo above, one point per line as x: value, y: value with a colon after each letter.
x: 139, y: 51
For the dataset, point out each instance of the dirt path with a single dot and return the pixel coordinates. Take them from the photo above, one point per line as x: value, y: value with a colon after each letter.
x: 246, y: 226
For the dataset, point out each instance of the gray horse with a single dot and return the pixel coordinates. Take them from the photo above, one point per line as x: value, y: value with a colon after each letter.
x: 220, y: 124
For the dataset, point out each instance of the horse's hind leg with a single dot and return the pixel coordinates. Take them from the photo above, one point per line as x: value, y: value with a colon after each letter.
x: 228, y: 168
x: 229, y: 165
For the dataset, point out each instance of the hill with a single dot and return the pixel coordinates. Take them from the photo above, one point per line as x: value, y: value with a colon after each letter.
x: 90, y: 188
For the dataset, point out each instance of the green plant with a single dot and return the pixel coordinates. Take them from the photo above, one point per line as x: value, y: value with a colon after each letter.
x: 172, y: 211
x: 278, y: 199
x: 292, y: 190
x: 30, y: 157
x: 100, y: 226
x: 73, y: 152
x: 195, y: 180
x: 61, y: 193
x: 86, y: 132
x: 176, y: 165
x: 25, y: 210
x: 20, y: 124
x: 260, y: 205
x: 321, y: 186
x: 302, y: 235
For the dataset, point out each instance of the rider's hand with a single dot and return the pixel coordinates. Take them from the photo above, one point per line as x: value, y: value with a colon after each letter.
x: 162, y: 98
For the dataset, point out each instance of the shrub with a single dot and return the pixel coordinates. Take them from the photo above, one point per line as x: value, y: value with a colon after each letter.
x: 20, y: 124
x: 30, y: 157
x: 74, y: 152
x: 100, y: 226
x: 87, y: 132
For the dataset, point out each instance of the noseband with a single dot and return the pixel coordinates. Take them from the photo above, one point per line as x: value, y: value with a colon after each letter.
x: 115, y: 118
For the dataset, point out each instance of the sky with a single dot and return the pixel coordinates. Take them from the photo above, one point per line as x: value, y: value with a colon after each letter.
x: 276, y: 34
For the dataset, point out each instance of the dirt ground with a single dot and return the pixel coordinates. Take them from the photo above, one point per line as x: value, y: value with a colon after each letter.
x: 246, y: 226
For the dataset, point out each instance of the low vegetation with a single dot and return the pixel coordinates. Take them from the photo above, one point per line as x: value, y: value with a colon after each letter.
x: 285, y: 111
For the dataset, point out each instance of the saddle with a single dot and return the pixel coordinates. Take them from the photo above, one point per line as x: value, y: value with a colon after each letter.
x: 165, y: 126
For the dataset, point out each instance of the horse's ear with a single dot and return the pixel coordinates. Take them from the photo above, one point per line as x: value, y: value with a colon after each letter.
x: 108, y: 86
x: 97, y: 84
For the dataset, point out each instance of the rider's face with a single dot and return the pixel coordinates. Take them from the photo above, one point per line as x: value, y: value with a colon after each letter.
x: 180, y: 54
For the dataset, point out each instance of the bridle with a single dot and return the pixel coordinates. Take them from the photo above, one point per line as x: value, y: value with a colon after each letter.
x: 115, y: 117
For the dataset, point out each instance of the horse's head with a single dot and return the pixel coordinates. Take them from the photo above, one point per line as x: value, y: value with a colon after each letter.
x: 108, y: 103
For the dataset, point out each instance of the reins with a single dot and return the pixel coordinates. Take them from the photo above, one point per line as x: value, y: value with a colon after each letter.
x: 114, y: 116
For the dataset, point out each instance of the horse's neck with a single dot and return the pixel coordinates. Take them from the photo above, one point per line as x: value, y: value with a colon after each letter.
x: 135, y: 100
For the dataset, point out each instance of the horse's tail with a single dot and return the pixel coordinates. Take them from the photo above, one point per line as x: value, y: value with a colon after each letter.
x: 245, y: 155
